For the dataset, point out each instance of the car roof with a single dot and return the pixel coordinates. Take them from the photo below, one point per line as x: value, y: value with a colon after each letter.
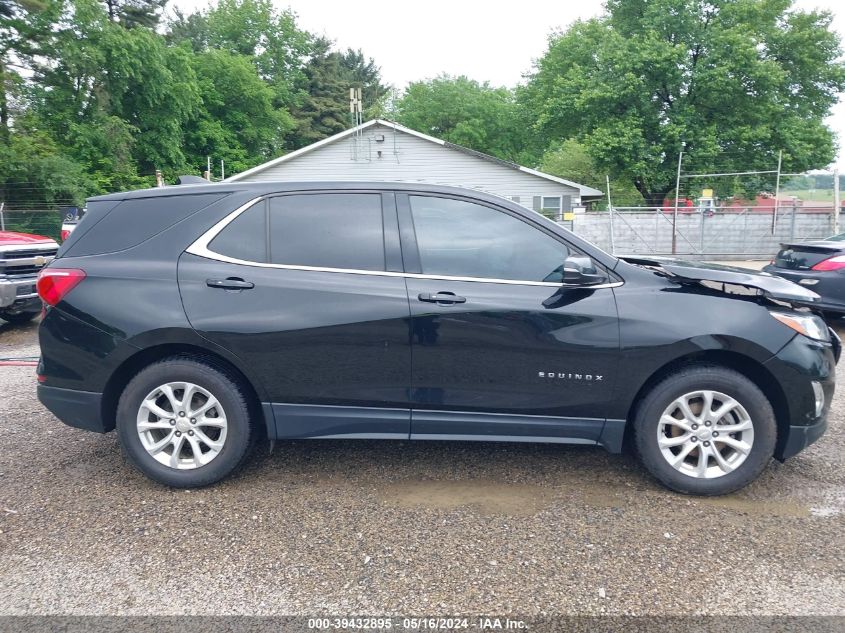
x: 268, y: 187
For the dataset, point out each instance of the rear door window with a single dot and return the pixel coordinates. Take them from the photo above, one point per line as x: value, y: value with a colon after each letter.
x: 245, y: 237
x: 334, y: 230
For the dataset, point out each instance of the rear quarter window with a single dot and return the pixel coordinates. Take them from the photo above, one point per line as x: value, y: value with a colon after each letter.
x: 132, y: 222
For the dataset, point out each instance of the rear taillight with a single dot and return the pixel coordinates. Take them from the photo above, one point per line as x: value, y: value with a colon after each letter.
x: 65, y: 234
x: 55, y: 283
x: 834, y: 263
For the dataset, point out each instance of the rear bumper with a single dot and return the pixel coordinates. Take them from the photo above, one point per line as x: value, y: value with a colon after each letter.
x: 80, y: 409
x: 829, y: 285
x: 19, y: 295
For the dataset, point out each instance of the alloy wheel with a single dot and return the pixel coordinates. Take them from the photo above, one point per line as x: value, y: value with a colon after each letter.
x: 705, y: 434
x: 182, y: 425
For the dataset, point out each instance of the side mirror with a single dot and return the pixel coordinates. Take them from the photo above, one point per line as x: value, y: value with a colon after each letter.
x: 580, y: 271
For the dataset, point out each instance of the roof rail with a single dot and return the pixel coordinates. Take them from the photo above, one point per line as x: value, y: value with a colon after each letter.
x: 192, y: 180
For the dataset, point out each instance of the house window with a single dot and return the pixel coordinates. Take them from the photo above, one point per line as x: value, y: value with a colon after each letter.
x: 551, y: 206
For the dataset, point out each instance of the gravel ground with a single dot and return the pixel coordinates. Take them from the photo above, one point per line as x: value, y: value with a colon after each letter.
x: 367, y: 527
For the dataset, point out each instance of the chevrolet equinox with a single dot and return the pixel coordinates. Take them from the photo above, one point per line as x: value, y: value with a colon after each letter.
x: 199, y: 318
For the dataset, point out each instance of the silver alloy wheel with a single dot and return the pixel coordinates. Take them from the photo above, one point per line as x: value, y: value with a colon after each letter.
x: 182, y: 425
x: 705, y: 434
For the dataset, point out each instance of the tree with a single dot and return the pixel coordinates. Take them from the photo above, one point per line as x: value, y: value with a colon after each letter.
x: 124, y: 80
x: 323, y: 108
x: 25, y: 29
x: 34, y: 173
x: 132, y: 13
x: 236, y: 121
x: 255, y: 29
x: 570, y: 160
x: 729, y: 82
x: 466, y: 112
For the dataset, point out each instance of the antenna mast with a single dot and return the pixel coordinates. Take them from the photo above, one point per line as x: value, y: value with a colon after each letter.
x: 356, y: 110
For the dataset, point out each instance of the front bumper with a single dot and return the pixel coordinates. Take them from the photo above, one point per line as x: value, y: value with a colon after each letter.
x: 80, y: 409
x: 19, y: 294
x: 797, y: 438
x: 799, y: 364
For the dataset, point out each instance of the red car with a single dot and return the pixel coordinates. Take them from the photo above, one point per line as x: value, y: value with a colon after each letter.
x: 22, y: 256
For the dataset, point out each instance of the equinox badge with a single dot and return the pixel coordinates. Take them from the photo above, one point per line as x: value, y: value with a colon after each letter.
x: 566, y: 376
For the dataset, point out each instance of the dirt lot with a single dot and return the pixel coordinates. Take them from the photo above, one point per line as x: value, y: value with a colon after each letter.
x: 369, y: 527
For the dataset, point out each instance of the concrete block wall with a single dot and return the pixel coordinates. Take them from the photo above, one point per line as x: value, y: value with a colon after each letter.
x: 724, y: 235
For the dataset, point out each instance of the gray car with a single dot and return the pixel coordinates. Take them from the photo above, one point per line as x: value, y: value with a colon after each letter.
x: 818, y: 265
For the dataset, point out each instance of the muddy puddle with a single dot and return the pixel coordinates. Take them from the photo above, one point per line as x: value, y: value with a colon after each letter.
x: 492, y: 497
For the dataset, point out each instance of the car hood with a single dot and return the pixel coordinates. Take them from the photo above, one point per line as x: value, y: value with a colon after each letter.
x: 12, y: 238
x: 690, y: 271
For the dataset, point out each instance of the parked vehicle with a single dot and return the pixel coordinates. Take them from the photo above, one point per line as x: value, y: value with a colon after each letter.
x: 22, y: 256
x: 818, y: 265
x: 198, y: 319
x: 67, y: 228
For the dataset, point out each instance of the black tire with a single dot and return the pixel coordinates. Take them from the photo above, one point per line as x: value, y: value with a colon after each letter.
x: 728, y: 382
x: 240, y: 434
x: 18, y: 317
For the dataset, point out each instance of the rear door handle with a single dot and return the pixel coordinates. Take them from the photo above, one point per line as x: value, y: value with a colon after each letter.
x: 230, y: 283
x: 441, y: 297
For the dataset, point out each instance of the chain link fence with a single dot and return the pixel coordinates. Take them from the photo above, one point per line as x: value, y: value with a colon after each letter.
x: 700, y: 221
x: 46, y: 221
x: 717, y: 233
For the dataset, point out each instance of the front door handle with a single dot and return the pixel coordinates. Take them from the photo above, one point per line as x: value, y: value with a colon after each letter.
x: 443, y: 298
x: 230, y: 283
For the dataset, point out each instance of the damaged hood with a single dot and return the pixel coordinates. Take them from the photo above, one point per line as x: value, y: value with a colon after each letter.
x: 701, y: 272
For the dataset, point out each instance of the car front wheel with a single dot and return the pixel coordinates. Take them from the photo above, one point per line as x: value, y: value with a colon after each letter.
x: 184, y: 423
x: 705, y: 430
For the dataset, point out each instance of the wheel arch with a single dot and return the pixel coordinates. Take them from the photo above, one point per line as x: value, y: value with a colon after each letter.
x: 755, y: 371
x: 130, y: 367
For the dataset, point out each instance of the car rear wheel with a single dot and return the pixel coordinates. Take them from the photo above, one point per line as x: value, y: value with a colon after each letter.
x: 705, y: 430
x: 184, y: 423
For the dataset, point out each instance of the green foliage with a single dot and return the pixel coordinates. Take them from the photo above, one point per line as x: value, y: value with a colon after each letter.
x: 324, y: 106
x: 256, y: 30
x: 133, y: 13
x: 731, y: 82
x: 95, y: 95
x: 468, y: 113
x: 137, y: 88
x: 571, y: 160
x: 237, y: 121
x: 34, y: 174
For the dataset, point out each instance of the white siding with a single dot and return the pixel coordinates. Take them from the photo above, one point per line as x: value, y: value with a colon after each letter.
x: 411, y: 159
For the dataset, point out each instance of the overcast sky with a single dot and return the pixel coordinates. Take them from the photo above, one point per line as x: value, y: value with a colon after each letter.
x: 491, y: 41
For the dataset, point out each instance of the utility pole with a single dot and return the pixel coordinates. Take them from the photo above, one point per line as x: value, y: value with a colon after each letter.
x: 836, y: 203
x: 2, y: 217
x: 610, y: 211
x: 222, y: 170
x: 208, y: 167
x: 677, y: 201
x: 777, y: 192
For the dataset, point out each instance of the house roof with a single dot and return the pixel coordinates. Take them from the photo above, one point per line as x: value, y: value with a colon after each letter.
x: 586, y: 192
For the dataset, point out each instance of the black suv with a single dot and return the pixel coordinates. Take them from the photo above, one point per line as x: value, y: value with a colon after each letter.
x: 198, y: 318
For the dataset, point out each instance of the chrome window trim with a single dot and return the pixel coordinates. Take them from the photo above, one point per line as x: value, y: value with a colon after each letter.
x: 200, y: 249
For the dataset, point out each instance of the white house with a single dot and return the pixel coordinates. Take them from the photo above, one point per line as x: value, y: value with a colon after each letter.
x: 385, y: 151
